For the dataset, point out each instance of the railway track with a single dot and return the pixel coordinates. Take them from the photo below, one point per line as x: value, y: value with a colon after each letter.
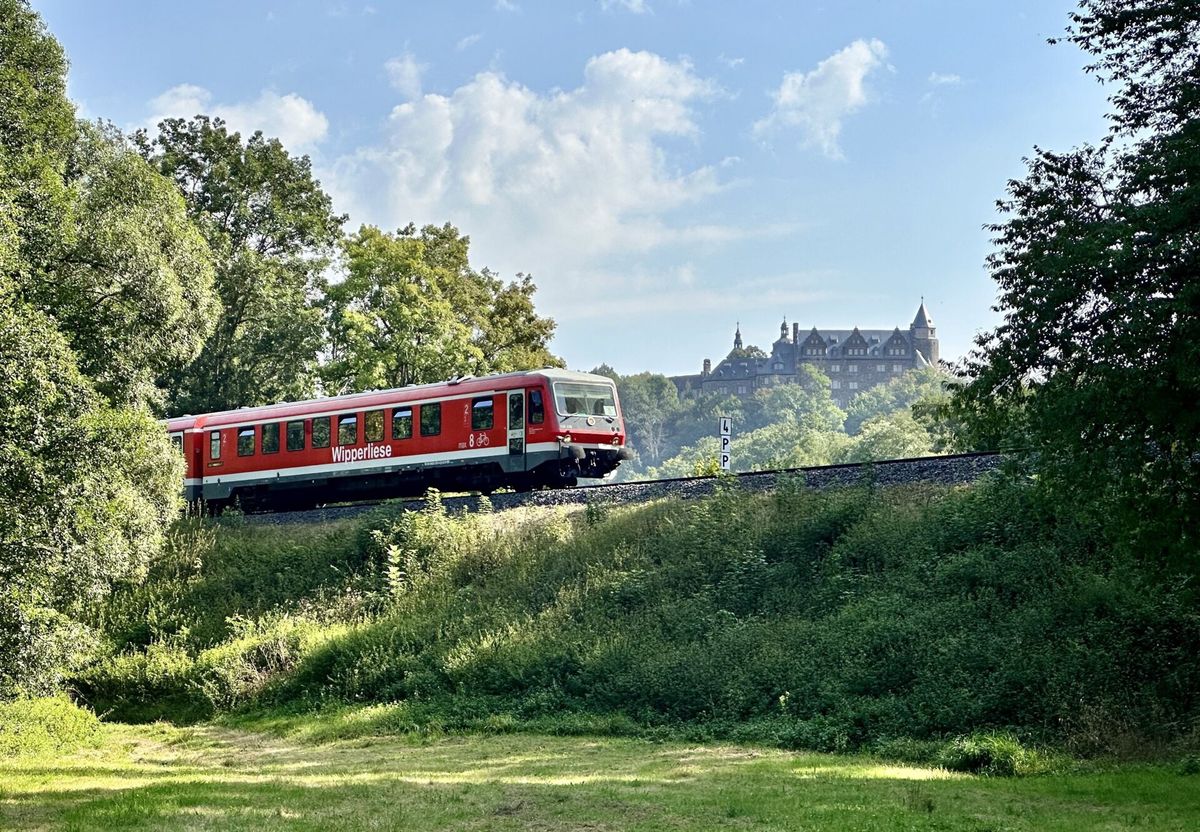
x: 952, y: 469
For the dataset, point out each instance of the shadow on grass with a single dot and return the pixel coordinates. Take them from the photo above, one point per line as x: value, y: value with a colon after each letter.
x: 223, y: 779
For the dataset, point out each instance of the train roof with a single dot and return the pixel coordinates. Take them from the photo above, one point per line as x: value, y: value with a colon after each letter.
x: 374, y: 398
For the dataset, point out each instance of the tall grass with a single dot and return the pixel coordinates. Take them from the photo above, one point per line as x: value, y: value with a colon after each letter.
x: 838, y: 620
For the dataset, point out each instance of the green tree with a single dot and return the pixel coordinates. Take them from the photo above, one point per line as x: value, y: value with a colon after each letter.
x: 1096, y: 365
x: 133, y: 287
x: 750, y: 353
x: 85, y: 493
x: 786, y: 443
x: 895, y: 435
x: 272, y: 230
x: 511, y: 335
x: 926, y: 385
x: 37, y: 131
x: 807, y: 401
x: 649, y: 402
x: 96, y: 251
x: 411, y: 310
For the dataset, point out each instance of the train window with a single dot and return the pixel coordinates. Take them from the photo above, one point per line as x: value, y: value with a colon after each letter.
x: 373, y: 425
x: 537, y: 409
x: 177, y: 441
x: 402, y: 423
x: 270, y: 438
x: 516, y: 412
x: 431, y: 419
x: 246, y: 441
x: 483, y: 413
x: 348, y: 429
x: 295, y: 435
x: 320, y: 432
x: 582, y: 399
x: 214, y: 444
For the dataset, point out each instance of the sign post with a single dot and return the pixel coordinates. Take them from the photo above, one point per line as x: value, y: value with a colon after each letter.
x: 725, y: 429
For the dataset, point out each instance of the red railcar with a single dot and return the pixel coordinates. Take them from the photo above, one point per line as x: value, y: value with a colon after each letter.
x: 523, y: 430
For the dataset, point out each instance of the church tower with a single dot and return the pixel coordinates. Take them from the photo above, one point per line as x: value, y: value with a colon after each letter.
x: 923, y: 335
x: 737, y: 337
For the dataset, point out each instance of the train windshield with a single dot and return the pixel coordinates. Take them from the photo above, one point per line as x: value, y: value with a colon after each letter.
x: 576, y: 399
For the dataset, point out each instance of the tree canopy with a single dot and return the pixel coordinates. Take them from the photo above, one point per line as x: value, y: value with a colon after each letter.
x: 37, y: 132
x: 132, y: 286
x: 411, y: 310
x: 1096, y: 364
x: 103, y: 283
x: 272, y: 231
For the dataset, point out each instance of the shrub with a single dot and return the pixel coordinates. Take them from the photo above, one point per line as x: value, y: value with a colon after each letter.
x: 994, y: 755
x: 143, y: 686
x: 49, y: 725
x: 878, y: 619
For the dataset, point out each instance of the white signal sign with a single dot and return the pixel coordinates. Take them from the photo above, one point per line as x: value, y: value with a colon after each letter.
x: 725, y: 429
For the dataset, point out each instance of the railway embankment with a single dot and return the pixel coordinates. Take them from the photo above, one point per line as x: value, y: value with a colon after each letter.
x: 911, y: 619
x: 951, y: 469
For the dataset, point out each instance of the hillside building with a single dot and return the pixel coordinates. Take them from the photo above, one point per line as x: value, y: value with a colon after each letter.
x: 855, y: 360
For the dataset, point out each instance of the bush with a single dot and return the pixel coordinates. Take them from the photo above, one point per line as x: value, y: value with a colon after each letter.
x: 877, y: 619
x: 50, y: 725
x: 143, y: 686
x: 165, y: 681
x: 994, y: 755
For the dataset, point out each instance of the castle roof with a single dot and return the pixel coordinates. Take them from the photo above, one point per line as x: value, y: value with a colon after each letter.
x: 922, y: 320
x: 835, y: 338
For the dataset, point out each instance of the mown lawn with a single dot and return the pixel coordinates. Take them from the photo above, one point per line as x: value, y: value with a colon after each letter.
x: 213, y: 777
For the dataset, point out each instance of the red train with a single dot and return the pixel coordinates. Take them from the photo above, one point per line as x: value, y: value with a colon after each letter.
x: 522, y: 430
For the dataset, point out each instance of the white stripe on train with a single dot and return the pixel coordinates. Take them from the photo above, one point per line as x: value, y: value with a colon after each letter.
x: 392, y: 463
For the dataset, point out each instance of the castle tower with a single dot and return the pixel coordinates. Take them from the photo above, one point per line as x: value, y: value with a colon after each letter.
x: 923, y: 335
x: 737, y: 337
x: 783, y: 333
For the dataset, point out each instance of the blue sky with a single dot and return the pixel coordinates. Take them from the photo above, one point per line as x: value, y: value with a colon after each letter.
x: 663, y: 168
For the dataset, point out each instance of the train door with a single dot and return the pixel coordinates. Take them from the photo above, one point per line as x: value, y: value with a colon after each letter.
x: 195, y: 465
x: 516, y: 428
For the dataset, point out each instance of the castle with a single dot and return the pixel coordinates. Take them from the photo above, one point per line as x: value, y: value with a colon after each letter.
x: 855, y: 360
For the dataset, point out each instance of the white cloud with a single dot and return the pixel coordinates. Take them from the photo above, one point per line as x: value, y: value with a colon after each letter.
x: 817, y: 102
x: 634, y: 6
x: 291, y: 119
x: 404, y: 74
x: 507, y: 6
x: 732, y: 63
x: 679, y: 290
x: 468, y: 41
x: 546, y: 182
x: 939, y: 79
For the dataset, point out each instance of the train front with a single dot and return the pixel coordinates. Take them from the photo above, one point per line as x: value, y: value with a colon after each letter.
x: 590, y: 426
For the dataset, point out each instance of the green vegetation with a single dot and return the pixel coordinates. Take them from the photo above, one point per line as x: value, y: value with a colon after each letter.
x: 411, y: 309
x: 789, y: 426
x: 49, y: 725
x: 182, y: 270
x: 831, y: 621
x: 158, y: 777
x: 1094, y: 367
x: 992, y: 630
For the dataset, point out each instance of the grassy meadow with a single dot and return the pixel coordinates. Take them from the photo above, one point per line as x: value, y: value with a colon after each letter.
x: 916, y: 658
x: 219, y: 777
x: 969, y: 627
